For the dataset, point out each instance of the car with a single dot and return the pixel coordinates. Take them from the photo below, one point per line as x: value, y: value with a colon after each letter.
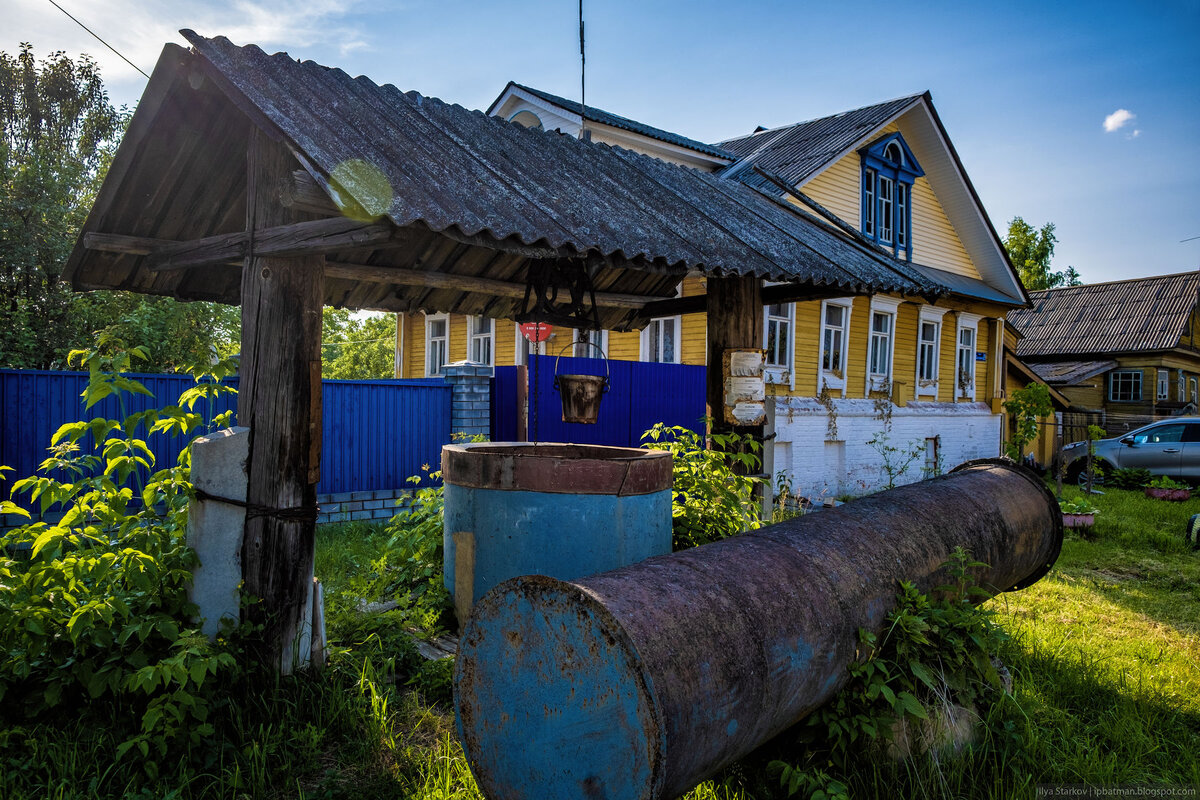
x: 1168, y: 447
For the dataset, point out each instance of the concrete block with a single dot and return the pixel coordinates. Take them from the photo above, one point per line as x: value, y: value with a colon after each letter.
x: 360, y: 495
x: 384, y: 513
x: 351, y: 507
x: 371, y: 505
x: 214, y: 528
x: 340, y: 497
x: 357, y: 515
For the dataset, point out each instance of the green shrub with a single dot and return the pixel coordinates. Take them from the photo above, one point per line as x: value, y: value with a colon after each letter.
x: 711, y: 500
x: 1128, y: 478
x: 95, y: 607
x: 1163, y: 482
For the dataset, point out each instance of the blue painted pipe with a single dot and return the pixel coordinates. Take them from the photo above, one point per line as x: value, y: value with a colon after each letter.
x: 641, y: 682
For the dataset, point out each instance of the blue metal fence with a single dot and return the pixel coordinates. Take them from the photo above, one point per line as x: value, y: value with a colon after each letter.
x: 375, y: 433
x: 640, y: 395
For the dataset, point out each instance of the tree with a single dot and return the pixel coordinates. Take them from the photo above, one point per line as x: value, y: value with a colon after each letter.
x: 1030, y: 251
x: 58, y: 134
x: 357, y: 349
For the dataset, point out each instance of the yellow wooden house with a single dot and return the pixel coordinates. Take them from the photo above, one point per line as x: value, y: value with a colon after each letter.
x: 926, y: 372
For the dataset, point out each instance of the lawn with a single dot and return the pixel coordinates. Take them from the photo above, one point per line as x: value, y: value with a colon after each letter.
x: 1104, y: 652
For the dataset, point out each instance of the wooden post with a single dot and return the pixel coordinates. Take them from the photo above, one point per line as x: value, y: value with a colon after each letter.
x: 280, y: 402
x: 735, y: 319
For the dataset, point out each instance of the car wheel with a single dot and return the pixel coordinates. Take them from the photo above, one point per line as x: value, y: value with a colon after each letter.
x: 1100, y: 472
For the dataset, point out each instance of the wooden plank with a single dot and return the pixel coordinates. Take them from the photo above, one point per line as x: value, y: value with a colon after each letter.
x: 279, y: 400
x: 463, y: 283
x: 735, y: 320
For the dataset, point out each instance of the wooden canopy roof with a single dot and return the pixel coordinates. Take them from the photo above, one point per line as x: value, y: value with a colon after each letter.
x: 420, y: 205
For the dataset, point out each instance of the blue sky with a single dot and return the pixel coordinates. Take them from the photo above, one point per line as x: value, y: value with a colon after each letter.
x: 1024, y: 88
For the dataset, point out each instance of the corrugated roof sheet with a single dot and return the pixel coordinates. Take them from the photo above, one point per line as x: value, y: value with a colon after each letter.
x: 1107, y: 318
x: 617, y: 121
x: 795, y: 152
x: 1069, y: 373
x: 449, y: 170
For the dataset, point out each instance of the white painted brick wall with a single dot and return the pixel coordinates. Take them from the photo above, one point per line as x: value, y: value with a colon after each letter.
x: 819, y: 468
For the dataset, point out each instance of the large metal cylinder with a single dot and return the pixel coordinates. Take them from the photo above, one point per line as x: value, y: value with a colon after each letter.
x: 643, y: 681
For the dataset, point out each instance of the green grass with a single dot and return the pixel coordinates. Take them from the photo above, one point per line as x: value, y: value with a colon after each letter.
x: 1105, y: 654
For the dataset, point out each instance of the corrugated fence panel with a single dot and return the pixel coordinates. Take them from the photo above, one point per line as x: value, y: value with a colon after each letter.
x: 504, y: 404
x: 375, y: 433
x: 378, y: 433
x: 640, y: 395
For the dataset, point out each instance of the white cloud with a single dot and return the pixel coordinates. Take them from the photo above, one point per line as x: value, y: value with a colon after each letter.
x: 1118, y: 119
x: 138, y: 29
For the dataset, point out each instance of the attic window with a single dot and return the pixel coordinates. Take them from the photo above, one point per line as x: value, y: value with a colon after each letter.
x: 527, y: 119
x: 888, y: 173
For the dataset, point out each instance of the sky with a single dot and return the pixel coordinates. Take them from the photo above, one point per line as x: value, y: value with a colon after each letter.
x: 1086, y: 115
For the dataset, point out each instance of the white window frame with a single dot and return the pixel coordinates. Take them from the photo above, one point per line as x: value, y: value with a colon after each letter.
x: 966, y: 322
x: 783, y: 372
x: 933, y: 315
x: 827, y: 377
x: 1112, y: 381
x: 1181, y: 389
x: 523, y: 348
x: 644, y: 338
x: 430, y: 319
x: 885, y: 219
x: 889, y: 307
x: 1192, y: 390
x: 588, y: 352
x: 474, y: 338
x: 1164, y: 386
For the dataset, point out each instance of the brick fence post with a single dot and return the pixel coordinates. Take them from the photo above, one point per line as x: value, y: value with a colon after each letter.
x: 471, y: 397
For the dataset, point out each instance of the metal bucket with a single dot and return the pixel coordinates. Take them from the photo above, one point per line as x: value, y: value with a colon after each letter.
x: 581, y: 393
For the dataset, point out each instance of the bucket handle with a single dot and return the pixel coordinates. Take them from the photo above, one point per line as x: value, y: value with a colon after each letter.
x: 607, y: 369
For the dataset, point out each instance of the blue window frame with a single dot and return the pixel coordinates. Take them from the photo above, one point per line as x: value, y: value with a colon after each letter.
x: 889, y: 170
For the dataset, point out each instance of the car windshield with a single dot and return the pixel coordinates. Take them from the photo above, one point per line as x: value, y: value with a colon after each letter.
x: 1162, y: 433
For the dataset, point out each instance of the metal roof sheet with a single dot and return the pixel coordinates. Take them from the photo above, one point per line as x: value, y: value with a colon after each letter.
x: 1102, y: 318
x: 966, y: 285
x: 795, y: 152
x: 1069, y: 373
x: 431, y: 167
x: 617, y: 121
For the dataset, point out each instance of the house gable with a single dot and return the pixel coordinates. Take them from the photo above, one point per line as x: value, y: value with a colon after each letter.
x: 951, y: 230
x: 559, y: 114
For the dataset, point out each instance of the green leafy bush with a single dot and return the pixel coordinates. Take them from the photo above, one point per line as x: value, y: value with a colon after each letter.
x: 1077, y: 506
x: 1129, y: 478
x: 1163, y: 482
x: 711, y: 500
x: 95, y: 606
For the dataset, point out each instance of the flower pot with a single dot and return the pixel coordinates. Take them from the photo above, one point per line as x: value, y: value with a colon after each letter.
x: 1079, y: 520
x: 1175, y: 495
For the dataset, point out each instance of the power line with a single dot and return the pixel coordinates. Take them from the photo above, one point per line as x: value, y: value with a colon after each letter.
x: 98, y: 39
x: 358, y: 341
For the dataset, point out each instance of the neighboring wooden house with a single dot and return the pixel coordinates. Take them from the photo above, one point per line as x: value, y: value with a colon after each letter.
x: 1126, y: 351
x: 885, y: 176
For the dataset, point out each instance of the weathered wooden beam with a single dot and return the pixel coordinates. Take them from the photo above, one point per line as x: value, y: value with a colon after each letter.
x: 312, y: 237
x: 462, y: 283
x: 735, y: 320
x: 780, y: 293
x: 280, y: 401
x: 303, y: 193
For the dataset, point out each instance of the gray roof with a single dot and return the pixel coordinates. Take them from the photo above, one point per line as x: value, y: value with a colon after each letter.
x: 965, y: 285
x: 624, y: 123
x: 491, y: 186
x: 1069, y: 373
x: 1140, y: 314
x: 795, y: 152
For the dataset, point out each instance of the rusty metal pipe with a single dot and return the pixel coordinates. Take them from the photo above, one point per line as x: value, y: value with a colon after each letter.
x: 643, y: 681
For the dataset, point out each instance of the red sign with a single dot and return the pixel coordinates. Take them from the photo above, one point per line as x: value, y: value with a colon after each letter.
x: 536, y: 331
